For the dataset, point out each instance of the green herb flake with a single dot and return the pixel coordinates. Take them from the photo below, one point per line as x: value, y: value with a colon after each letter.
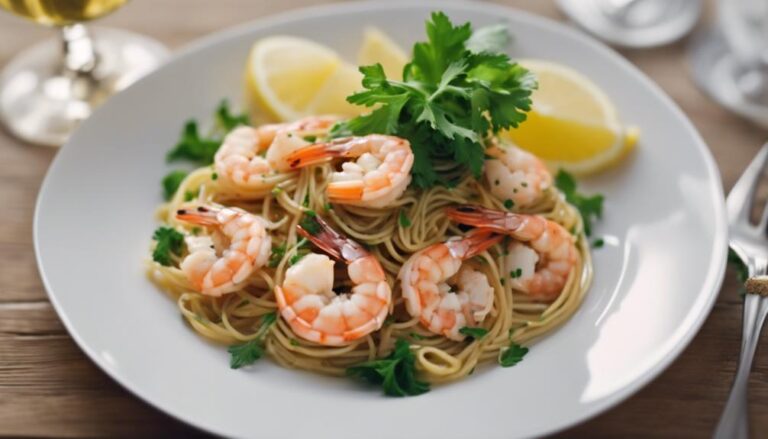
x: 403, y: 220
x: 194, y: 148
x: 169, y: 242
x: 417, y: 336
x: 396, y: 374
x: 310, y: 139
x: 196, y: 231
x: 295, y: 342
x: 476, y: 333
x: 328, y: 207
x: 512, y: 355
x: 191, y: 195
x: 248, y: 353
x: 277, y: 255
x: 598, y: 243
x: 590, y: 207
x: 277, y: 190
x: 214, y: 176
x: 171, y: 183
x: 310, y: 223
x: 228, y: 121
x: 509, y: 204
x: 295, y: 258
x: 514, y: 274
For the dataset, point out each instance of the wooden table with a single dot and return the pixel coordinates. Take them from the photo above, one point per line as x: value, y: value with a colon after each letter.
x: 49, y: 388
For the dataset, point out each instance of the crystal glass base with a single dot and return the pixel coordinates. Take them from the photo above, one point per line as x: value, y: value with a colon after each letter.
x: 638, y: 23
x: 716, y: 69
x: 42, y: 103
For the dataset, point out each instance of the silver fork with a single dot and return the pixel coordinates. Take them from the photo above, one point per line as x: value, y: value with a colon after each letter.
x: 750, y: 242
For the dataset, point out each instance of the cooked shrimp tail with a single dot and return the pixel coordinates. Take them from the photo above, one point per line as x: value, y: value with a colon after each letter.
x: 332, y: 242
x: 479, y: 216
x: 473, y: 244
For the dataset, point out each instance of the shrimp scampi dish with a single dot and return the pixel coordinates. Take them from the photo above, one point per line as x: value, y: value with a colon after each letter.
x: 406, y: 246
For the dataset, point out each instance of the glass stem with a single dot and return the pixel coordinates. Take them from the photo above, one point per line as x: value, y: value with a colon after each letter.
x: 80, y: 56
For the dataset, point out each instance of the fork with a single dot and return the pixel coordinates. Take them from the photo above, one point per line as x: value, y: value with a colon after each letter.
x: 750, y: 242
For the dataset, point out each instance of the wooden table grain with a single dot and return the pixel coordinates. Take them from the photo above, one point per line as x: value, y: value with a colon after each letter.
x: 49, y: 388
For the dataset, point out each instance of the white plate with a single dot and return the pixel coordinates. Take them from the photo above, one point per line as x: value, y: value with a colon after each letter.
x: 656, y: 278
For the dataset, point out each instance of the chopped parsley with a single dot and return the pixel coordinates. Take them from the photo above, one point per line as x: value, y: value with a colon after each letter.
x: 193, y: 147
x: 327, y: 206
x: 171, y: 183
x: 191, y: 195
x: 476, y: 333
x: 417, y: 336
x: 295, y: 258
x: 512, y: 355
x: 247, y: 353
x: 310, y: 223
x: 277, y: 190
x: 214, y: 176
x: 169, y: 242
x: 508, y: 204
x: 277, y: 255
x: 295, y: 342
x: 396, y: 374
x: 598, y: 243
x: 310, y: 139
x: 459, y: 89
x: 228, y: 121
x: 403, y: 220
x: 514, y: 274
x: 590, y: 207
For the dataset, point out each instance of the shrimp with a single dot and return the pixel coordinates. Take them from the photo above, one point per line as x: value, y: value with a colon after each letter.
x: 515, y: 174
x: 541, y: 256
x: 249, y: 245
x: 314, y: 311
x: 378, y: 177
x: 425, y: 279
x: 238, y: 161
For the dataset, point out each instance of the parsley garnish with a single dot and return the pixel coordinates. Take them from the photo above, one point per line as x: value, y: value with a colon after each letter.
x: 310, y: 223
x: 277, y: 255
x: 514, y: 274
x: 327, y: 206
x: 228, y: 121
x: 191, y: 195
x: 512, y: 355
x: 171, y: 183
x: 458, y: 89
x: 191, y: 146
x: 598, y: 243
x: 247, y: 353
x: 169, y: 241
x: 200, y: 149
x: 416, y: 336
x: 396, y: 374
x: 590, y: 208
x: 295, y: 258
x: 214, y: 176
x: 476, y: 333
x: 403, y: 220
x: 310, y: 139
x: 508, y: 204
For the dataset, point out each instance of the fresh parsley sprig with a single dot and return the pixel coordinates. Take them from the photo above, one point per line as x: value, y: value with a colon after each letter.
x: 474, y: 332
x: 457, y: 90
x: 512, y: 355
x: 396, y: 374
x: 248, y: 353
x: 590, y: 207
x: 169, y: 242
x: 198, y: 149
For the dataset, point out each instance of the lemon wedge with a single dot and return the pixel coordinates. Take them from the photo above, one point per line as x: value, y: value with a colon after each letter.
x: 379, y: 48
x: 572, y: 125
x: 284, y: 74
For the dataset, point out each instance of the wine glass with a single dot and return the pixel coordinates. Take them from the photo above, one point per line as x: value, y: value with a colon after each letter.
x: 634, y: 23
x: 730, y: 60
x: 48, y: 89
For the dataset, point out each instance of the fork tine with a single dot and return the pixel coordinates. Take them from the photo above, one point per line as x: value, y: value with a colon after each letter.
x: 739, y: 201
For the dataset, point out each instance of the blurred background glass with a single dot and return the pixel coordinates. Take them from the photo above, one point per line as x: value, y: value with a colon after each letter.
x: 730, y: 60
x: 48, y: 89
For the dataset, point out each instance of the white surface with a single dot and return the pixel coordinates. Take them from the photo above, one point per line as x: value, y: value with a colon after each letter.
x: 656, y: 278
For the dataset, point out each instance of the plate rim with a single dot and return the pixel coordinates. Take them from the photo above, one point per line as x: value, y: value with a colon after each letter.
x: 711, y: 285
